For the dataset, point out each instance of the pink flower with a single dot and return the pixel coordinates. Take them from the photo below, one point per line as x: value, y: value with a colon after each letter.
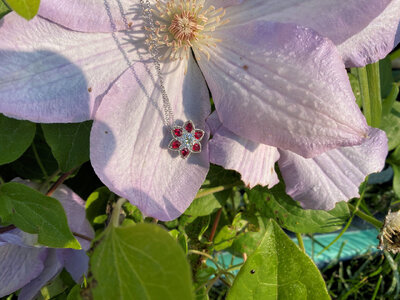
x: 317, y: 183
x: 25, y: 265
x: 273, y: 80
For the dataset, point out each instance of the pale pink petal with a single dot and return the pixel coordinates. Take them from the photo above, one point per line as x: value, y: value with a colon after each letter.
x: 129, y: 140
x: 18, y: 237
x: 254, y: 161
x: 52, y: 266
x: 213, y: 122
x: 76, y: 262
x: 284, y: 86
x: 364, y: 30
x: 321, y: 182
x: 222, y: 3
x: 374, y: 41
x: 88, y: 15
x: 74, y: 208
x: 51, y: 74
x: 18, y: 266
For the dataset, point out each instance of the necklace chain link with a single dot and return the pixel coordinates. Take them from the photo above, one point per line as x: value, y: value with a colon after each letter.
x: 169, y: 119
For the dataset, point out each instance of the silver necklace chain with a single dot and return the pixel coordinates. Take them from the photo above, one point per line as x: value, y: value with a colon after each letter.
x: 169, y: 119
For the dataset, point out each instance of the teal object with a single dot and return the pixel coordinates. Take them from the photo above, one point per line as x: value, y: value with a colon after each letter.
x: 351, y: 244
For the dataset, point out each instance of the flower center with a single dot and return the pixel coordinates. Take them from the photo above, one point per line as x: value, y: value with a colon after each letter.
x: 182, y: 24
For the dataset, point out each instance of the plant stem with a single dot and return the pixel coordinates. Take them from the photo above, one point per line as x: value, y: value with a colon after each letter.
x: 59, y: 181
x: 363, y: 188
x: 377, y: 287
x: 44, y: 186
x: 38, y: 160
x: 301, y: 243
x: 370, y: 89
x: 116, y: 212
x: 378, y: 224
x: 215, y: 224
x: 82, y: 236
x: 201, y: 253
x: 217, y: 189
x: 374, y: 86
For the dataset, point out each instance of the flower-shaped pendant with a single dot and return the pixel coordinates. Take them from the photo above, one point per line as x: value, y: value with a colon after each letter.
x: 186, y: 139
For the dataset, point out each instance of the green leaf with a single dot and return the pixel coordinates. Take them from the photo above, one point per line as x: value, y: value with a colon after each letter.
x: 224, y: 238
x: 27, y: 166
x: 203, y: 206
x: 370, y: 89
x: 355, y: 86
x: 396, y: 179
x: 278, y: 269
x: 75, y: 293
x: 140, y: 262
x: 386, y: 76
x: 35, y: 213
x: 394, y: 161
x: 3, y: 9
x: 25, y: 8
x: 276, y: 204
x: 96, y: 204
x: 69, y: 143
x: 52, y: 289
x: 248, y: 241
x: 388, y: 102
x: 391, y: 125
x: 217, y: 180
x: 15, y: 136
x: 227, y: 234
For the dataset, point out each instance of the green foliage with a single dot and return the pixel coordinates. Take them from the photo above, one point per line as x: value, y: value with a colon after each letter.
x: 276, y: 204
x: 388, y: 102
x: 140, y: 262
x: 386, y: 76
x: 25, y: 8
x: 37, y: 163
x: 394, y: 161
x: 355, y: 86
x: 69, y: 143
x: 210, y: 198
x: 3, y: 9
x: 74, y: 294
x: 35, y: 213
x: 227, y: 233
x: 16, y: 136
x: 391, y: 125
x: 205, y: 205
x: 96, y: 205
x: 278, y: 269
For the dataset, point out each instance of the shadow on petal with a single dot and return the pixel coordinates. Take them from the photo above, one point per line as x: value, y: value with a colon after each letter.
x: 42, y: 86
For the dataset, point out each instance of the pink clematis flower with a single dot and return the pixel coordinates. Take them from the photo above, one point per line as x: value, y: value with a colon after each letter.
x: 317, y: 183
x: 25, y: 265
x: 274, y: 68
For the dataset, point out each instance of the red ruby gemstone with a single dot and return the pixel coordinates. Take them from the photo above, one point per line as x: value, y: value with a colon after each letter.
x: 196, y: 147
x: 198, y: 134
x: 185, y: 152
x: 175, y: 145
x: 189, y: 127
x: 178, y: 131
